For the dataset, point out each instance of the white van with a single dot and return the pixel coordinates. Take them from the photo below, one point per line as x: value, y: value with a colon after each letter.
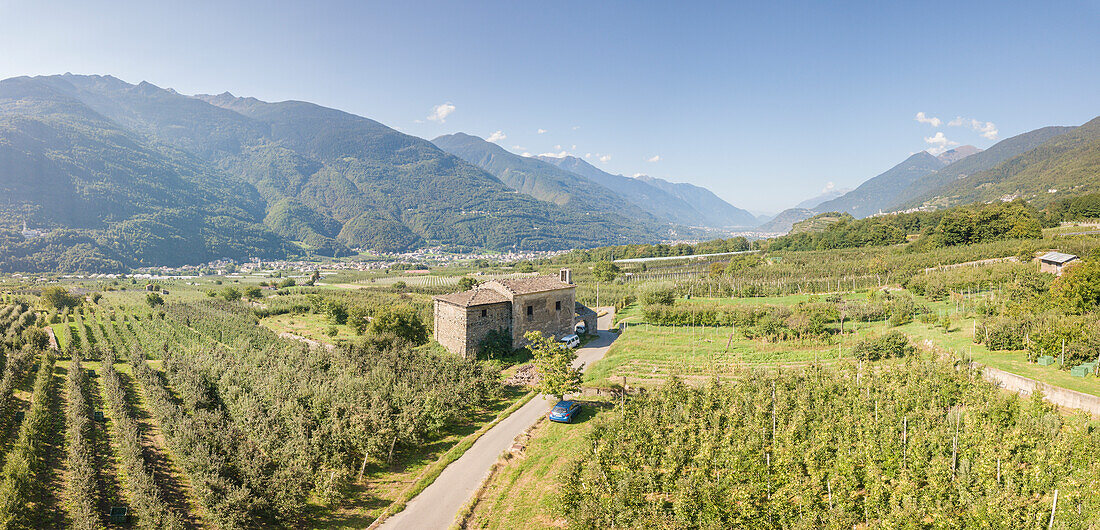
x: 570, y: 341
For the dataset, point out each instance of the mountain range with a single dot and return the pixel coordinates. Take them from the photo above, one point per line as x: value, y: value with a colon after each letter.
x: 118, y: 175
x: 122, y: 175
x: 568, y: 180
x: 667, y: 200
x: 1041, y: 166
x: 827, y: 195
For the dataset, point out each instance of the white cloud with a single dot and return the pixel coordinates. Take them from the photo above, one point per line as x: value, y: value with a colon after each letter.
x: 575, y: 127
x: 558, y: 147
x: 519, y: 148
x: 939, y: 143
x: 525, y: 153
x: 985, y: 128
x: 441, y: 111
x: 603, y: 158
x: 829, y: 186
x: 541, y: 131
x: 636, y: 175
x: 496, y: 137
x: 935, y: 122
x: 654, y: 158
x: 560, y: 154
x: 588, y: 155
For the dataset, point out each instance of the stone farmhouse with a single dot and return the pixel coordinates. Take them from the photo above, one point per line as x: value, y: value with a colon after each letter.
x: 516, y: 305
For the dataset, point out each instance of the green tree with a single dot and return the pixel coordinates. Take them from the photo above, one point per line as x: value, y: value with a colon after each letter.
x: 253, y: 293
x: 359, y: 318
x: 36, y: 338
x: 231, y: 294
x: 57, y: 297
x: 605, y: 271
x: 154, y: 299
x: 1078, y: 289
x: 466, y: 283
x: 402, y: 321
x: 554, y: 362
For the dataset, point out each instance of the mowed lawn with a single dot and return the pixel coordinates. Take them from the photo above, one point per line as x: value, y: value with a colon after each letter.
x: 647, y: 354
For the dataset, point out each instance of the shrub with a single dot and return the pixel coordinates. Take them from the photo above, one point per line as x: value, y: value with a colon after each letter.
x: 891, y: 345
x: 660, y: 294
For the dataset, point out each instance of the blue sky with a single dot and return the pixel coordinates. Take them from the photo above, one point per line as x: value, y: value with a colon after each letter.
x: 763, y: 102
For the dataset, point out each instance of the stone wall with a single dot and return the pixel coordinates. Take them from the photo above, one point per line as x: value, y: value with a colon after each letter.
x: 482, y: 319
x: 450, y: 327
x: 1063, y: 397
x: 461, y: 329
x: 551, y: 313
x: 590, y: 322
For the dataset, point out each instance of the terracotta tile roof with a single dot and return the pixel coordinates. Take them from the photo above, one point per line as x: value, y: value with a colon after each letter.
x: 535, y: 284
x: 473, y: 297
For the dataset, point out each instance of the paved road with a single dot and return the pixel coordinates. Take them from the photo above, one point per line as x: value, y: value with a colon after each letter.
x: 437, y: 505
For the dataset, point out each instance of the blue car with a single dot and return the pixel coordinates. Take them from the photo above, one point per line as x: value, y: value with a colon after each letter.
x: 565, y: 411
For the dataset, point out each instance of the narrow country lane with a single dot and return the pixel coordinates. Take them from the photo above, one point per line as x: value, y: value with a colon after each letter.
x: 437, y: 505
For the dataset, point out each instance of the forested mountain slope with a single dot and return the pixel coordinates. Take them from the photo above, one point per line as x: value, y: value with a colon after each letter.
x: 110, y: 197
x: 881, y: 192
x: 164, y: 178
x: 1065, y: 165
x: 925, y: 187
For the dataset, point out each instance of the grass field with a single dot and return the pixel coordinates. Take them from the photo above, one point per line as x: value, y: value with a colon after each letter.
x: 646, y: 354
x: 311, y: 326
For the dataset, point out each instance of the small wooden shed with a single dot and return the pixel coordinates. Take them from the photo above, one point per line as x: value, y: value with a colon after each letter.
x: 1055, y: 262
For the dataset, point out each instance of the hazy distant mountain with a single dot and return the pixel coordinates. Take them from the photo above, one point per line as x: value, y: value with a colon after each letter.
x: 127, y: 175
x: 783, y: 221
x: 662, y: 198
x: 714, y: 210
x: 882, y: 191
x: 661, y: 203
x: 954, y: 155
x: 925, y: 189
x: 1066, y: 164
x: 827, y: 195
x: 548, y: 182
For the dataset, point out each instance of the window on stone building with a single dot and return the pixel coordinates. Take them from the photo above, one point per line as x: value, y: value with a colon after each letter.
x: 530, y: 310
x: 557, y: 305
x: 484, y: 312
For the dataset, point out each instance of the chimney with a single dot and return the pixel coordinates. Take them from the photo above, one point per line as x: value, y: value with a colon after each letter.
x: 566, y: 276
